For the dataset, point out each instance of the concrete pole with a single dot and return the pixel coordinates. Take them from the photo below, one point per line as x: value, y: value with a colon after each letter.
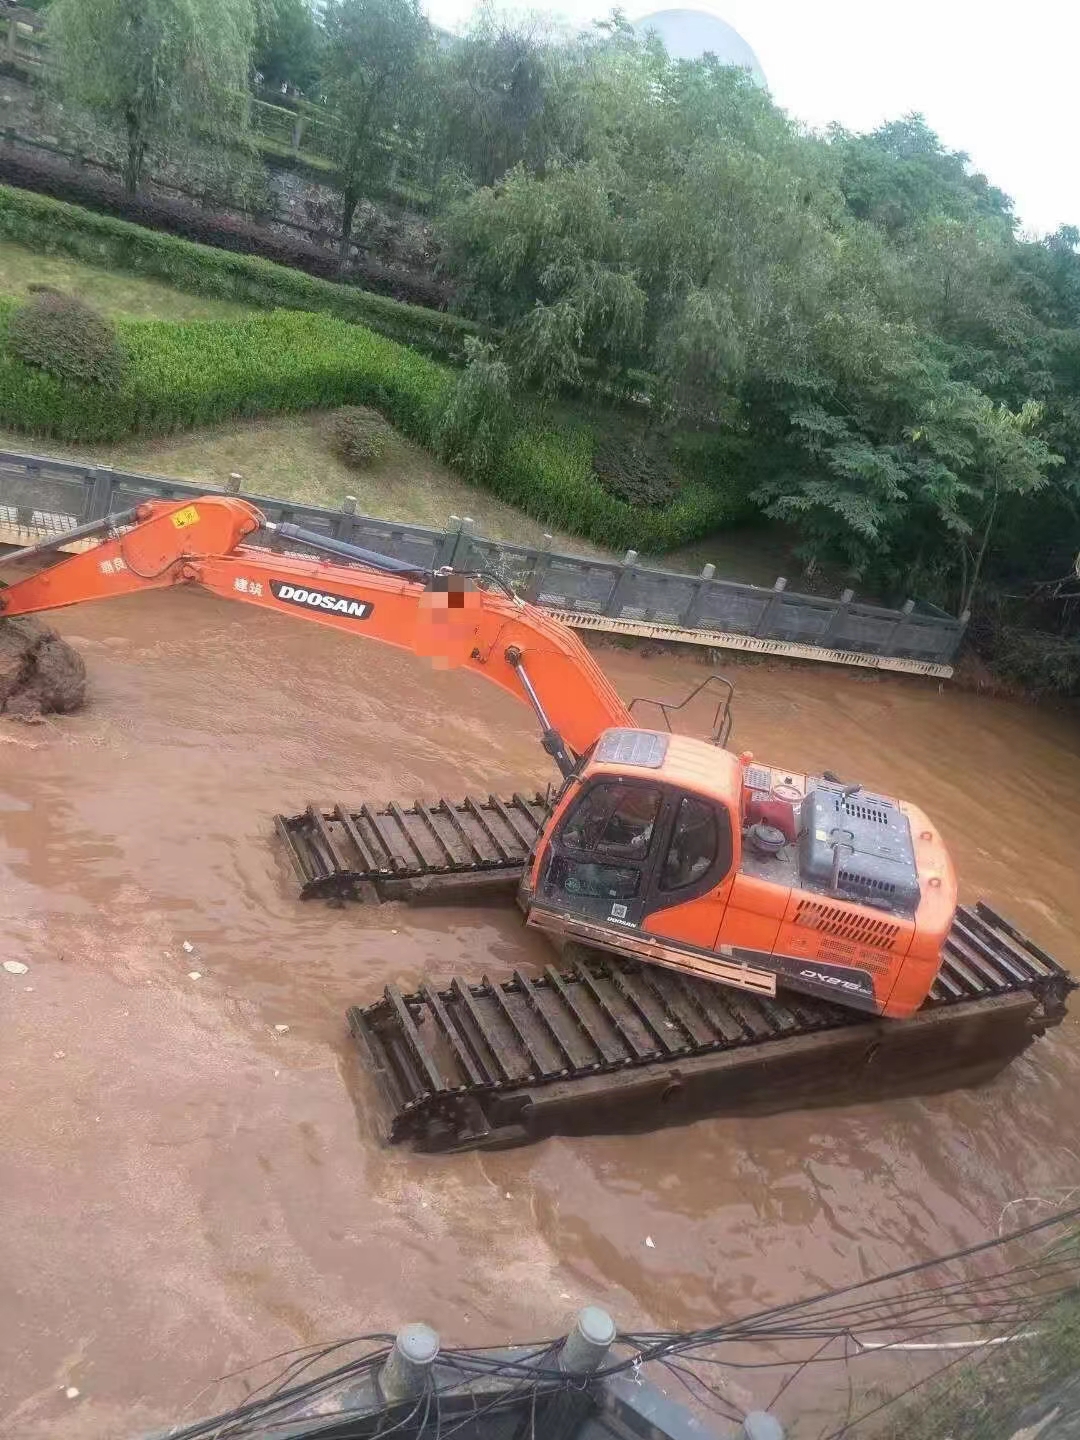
x: 408, y: 1366
x: 585, y: 1348
x: 760, y: 1425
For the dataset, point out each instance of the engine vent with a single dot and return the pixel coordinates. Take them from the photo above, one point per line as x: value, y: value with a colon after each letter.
x: 844, y: 925
x: 860, y: 810
x: 885, y: 889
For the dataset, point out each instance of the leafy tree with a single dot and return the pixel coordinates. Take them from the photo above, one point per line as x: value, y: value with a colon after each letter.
x: 288, y: 44
x: 901, y: 173
x: 850, y: 306
x: 546, y: 260
x: 475, y: 426
x: 506, y: 94
x: 155, y: 68
x: 663, y: 250
x: 373, y: 55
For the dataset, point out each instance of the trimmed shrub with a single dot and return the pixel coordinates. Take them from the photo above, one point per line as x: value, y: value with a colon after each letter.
x: 548, y: 473
x: 359, y: 435
x: 67, y: 338
x: 186, y: 374
x: 52, y: 226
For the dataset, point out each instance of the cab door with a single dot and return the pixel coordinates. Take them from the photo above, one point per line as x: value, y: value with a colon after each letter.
x: 692, y: 880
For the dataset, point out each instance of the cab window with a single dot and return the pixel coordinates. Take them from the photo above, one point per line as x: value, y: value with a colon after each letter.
x: 695, y: 843
x: 613, y: 821
x: 595, y: 882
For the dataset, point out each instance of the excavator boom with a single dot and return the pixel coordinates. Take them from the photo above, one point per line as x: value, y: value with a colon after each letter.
x: 503, y: 639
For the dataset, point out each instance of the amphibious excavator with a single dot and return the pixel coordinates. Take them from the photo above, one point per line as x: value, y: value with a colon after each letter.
x: 690, y: 864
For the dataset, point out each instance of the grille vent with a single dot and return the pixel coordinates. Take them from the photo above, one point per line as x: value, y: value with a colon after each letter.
x: 843, y: 925
x: 862, y: 810
x: 883, y: 889
x: 838, y: 952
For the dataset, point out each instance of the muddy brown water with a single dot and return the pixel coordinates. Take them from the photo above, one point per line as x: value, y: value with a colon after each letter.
x: 185, y: 1189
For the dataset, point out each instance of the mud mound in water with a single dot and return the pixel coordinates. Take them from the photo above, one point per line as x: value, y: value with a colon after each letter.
x: 40, y: 674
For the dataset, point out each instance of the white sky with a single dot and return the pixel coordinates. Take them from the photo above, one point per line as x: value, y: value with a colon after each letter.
x: 999, y: 82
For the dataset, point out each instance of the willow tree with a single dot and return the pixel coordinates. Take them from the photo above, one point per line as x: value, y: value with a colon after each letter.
x: 154, y: 68
x: 371, y: 69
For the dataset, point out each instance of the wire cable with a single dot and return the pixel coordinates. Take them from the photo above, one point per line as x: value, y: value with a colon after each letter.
x: 1008, y: 1300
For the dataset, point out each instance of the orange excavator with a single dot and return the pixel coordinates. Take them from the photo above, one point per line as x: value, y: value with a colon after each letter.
x: 659, y: 847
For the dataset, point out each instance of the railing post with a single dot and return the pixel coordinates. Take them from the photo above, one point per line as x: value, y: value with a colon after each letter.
x: 345, y: 524
x: 761, y: 628
x: 444, y: 545
x: 453, y: 545
x: 690, y: 615
x: 12, y: 37
x: 101, y: 489
x: 407, y: 1369
x: 956, y: 637
x: 541, y: 564
x: 892, y: 644
x: 613, y: 604
x: 462, y: 547
x: 838, y: 616
x: 298, y: 133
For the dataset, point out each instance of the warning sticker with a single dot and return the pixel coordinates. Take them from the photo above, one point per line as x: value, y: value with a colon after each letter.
x: 188, y: 516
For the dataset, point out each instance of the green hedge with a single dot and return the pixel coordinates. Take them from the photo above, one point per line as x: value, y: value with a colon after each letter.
x: 51, y: 226
x: 549, y: 474
x: 183, y: 374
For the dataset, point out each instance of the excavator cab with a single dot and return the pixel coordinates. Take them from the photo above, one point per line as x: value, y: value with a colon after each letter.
x: 673, y: 851
x: 644, y: 840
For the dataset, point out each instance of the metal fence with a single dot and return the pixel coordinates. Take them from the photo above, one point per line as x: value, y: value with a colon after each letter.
x: 42, y: 495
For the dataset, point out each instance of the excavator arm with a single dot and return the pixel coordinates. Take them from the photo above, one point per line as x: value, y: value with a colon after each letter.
x: 443, y: 617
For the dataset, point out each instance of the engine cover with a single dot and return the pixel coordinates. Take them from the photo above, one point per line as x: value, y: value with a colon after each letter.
x: 873, y: 839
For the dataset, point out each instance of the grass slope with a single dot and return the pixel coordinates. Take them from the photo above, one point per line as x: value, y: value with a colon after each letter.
x: 114, y: 294
x: 290, y: 457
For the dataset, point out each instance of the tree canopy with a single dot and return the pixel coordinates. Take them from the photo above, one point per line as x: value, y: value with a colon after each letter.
x: 859, y: 308
x: 288, y: 44
x: 856, y: 317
